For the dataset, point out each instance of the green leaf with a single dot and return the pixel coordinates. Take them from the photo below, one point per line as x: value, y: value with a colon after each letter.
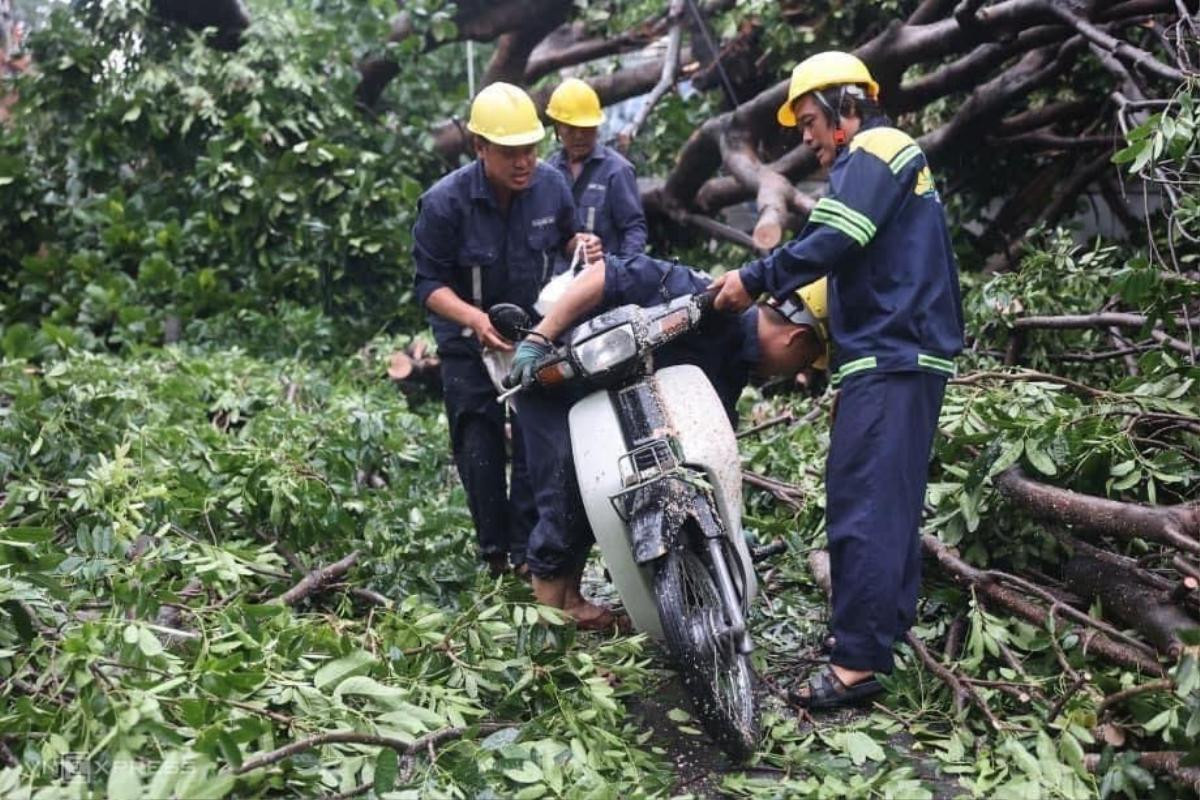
x: 1039, y: 460
x: 1124, y: 468
x: 528, y: 773
x: 334, y: 672
x: 679, y: 715
x: 148, y: 643
x: 229, y: 749
x: 386, y: 767
x: 1159, y: 721
x: 862, y: 748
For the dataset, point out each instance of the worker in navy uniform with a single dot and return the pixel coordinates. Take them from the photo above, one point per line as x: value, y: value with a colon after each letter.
x: 490, y: 232
x: 776, y: 339
x: 895, y: 309
x: 607, y: 202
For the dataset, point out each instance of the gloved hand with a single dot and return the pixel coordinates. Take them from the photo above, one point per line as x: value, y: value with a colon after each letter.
x: 528, y: 354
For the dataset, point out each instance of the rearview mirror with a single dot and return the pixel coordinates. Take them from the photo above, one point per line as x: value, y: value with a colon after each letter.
x: 511, y: 320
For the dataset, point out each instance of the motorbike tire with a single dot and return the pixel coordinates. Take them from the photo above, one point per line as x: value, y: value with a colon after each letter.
x: 719, y: 679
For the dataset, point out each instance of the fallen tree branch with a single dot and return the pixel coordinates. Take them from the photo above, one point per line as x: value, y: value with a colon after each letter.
x: 401, y: 747
x: 666, y: 80
x: 1176, y: 526
x: 1104, y: 319
x: 1117, y: 698
x: 1029, y: 375
x: 996, y: 594
x: 316, y: 580
x: 1162, y: 762
x: 1118, y: 48
x: 958, y: 689
x: 786, y: 493
x: 787, y: 418
x: 1130, y: 601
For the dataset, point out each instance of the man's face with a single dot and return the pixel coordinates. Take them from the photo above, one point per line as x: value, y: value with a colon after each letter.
x: 508, y: 167
x: 815, y: 129
x: 578, y: 142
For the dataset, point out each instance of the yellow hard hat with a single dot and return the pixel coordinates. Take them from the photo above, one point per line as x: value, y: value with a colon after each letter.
x: 831, y: 68
x: 504, y: 114
x: 575, y: 103
x: 810, y: 306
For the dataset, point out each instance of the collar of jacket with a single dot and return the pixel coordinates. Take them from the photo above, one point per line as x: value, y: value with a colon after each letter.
x: 877, y: 121
x: 598, y: 154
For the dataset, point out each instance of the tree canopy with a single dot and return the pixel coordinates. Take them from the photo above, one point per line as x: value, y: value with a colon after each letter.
x: 236, y: 562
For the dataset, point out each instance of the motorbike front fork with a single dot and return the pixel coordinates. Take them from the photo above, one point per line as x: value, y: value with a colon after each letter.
x: 738, y: 627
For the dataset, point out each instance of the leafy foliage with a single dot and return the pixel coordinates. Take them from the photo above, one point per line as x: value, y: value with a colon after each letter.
x: 147, y: 177
x: 158, y: 501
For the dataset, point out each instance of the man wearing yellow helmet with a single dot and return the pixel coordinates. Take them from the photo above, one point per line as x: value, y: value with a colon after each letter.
x: 776, y: 339
x: 896, y: 322
x: 490, y: 232
x: 607, y: 201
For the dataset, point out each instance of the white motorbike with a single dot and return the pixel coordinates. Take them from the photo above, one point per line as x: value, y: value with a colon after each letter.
x: 658, y: 469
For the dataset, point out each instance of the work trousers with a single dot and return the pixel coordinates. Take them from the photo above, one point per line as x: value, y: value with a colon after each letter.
x: 561, y: 538
x: 875, y: 480
x: 502, y: 510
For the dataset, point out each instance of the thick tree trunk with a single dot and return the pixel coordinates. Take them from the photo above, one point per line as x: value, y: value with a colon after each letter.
x: 1000, y: 596
x: 1177, y: 526
x: 1162, y: 762
x: 1130, y: 601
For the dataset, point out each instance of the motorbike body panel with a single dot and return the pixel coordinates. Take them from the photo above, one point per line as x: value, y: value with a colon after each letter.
x: 697, y: 421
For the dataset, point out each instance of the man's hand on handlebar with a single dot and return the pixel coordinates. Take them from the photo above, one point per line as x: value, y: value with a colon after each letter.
x: 487, y: 334
x: 731, y: 294
x: 529, y: 353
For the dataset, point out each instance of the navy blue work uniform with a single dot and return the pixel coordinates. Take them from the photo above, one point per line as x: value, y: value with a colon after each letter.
x: 464, y: 241
x: 607, y: 202
x: 896, y: 324
x: 725, y: 347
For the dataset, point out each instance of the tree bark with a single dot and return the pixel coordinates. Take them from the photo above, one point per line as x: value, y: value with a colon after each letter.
x: 450, y: 139
x: 1162, y: 762
x: 1130, y: 601
x: 999, y: 595
x: 478, y: 20
x: 511, y: 57
x: 316, y: 580
x: 1177, y: 526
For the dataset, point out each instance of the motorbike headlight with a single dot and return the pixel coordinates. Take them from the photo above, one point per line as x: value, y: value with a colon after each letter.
x: 603, y: 352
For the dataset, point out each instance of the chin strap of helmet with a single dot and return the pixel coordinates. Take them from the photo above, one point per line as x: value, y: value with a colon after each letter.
x: 834, y: 111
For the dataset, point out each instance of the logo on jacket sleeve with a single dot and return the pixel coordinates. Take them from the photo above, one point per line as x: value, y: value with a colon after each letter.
x: 924, y: 186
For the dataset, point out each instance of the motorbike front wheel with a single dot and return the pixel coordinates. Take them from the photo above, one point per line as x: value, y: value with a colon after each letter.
x: 696, y: 625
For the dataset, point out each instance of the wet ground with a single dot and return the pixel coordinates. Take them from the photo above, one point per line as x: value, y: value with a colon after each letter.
x: 701, y: 767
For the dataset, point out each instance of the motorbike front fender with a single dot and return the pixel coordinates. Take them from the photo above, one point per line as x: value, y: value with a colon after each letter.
x: 657, y: 511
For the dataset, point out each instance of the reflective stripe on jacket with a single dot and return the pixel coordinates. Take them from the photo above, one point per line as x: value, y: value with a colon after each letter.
x: 607, y: 201
x: 464, y: 241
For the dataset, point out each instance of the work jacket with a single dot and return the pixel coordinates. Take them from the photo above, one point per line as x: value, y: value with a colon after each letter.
x: 607, y: 202
x: 880, y: 235
x: 464, y: 241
